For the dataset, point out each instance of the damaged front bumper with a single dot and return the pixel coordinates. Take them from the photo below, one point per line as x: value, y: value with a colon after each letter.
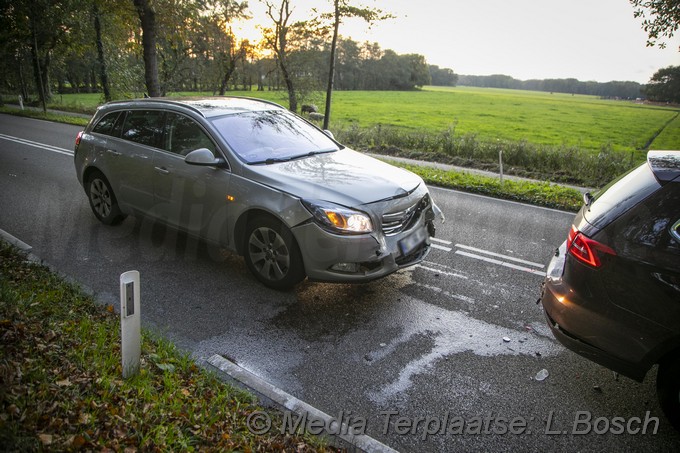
x: 332, y: 257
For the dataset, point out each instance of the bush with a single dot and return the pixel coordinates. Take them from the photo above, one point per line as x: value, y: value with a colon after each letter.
x: 566, y: 164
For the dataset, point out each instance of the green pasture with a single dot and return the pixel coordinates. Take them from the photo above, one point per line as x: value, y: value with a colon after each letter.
x: 510, y: 115
x: 669, y: 139
x: 539, y: 118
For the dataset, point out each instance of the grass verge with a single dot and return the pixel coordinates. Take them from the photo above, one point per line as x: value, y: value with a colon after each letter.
x: 61, y: 386
x: 50, y: 116
x: 538, y: 193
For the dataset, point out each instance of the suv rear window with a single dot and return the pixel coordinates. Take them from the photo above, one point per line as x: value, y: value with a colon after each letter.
x: 620, y: 195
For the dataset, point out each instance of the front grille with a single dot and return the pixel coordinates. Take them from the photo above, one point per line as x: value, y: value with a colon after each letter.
x: 396, y: 222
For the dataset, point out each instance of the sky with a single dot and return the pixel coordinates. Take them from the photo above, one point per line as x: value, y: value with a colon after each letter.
x: 597, y: 40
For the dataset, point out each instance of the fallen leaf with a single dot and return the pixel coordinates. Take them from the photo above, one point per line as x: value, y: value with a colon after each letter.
x: 64, y: 383
x: 46, y: 439
x: 77, y: 442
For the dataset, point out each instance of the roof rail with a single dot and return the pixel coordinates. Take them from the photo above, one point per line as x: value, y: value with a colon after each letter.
x: 183, y: 103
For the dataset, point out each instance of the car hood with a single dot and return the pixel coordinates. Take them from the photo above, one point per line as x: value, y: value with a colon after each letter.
x: 345, y: 177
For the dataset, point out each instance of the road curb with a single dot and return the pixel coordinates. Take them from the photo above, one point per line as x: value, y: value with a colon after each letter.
x: 18, y: 243
x: 258, y: 385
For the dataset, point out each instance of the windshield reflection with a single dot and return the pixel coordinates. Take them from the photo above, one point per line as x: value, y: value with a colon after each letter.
x: 271, y: 136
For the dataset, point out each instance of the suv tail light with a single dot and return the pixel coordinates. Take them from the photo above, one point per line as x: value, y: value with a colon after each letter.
x: 586, y: 250
x: 78, y: 138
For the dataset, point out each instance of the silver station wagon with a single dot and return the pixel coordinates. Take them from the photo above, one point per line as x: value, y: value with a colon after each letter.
x: 252, y: 177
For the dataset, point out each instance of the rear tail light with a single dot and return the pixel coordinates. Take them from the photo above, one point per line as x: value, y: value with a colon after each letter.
x: 78, y: 138
x: 586, y: 250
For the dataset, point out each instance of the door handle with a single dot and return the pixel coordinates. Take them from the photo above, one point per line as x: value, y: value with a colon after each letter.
x: 162, y: 170
x: 113, y: 152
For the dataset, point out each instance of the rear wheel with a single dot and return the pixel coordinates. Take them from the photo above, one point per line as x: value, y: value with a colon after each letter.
x: 272, y: 254
x: 668, y: 389
x: 102, y: 200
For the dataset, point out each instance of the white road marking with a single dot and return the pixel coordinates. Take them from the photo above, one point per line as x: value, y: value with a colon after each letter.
x: 23, y: 141
x: 441, y: 247
x: 498, y: 255
x: 441, y: 241
x: 439, y: 290
x: 501, y: 263
x: 439, y: 271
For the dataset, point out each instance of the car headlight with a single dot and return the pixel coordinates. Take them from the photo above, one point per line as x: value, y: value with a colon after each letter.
x: 339, y: 219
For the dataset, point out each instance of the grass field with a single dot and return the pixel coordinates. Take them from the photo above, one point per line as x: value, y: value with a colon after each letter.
x: 552, y: 119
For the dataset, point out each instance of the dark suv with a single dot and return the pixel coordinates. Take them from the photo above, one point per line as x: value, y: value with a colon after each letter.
x: 612, y: 293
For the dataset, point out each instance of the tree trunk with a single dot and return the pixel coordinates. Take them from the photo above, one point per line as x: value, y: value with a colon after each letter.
x: 283, y: 65
x: 228, y: 71
x: 39, y: 72
x: 22, y: 81
x: 147, y: 17
x: 290, y: 86
x: 103, y: 75
x: 39, y: 68
x: 331, y: 72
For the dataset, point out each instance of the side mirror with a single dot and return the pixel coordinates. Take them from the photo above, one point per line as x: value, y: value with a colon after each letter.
x: 329, y: 133
x: 203, y: 157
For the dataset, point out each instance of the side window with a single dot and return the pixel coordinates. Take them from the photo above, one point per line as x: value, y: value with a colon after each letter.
x: 143, y: 126
x: 105, y: 125
x: 183, y: 135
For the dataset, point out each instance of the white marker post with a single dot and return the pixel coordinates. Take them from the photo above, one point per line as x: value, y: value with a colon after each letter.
x: 130, y: 325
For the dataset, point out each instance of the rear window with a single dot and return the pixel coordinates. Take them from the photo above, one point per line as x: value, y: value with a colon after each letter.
x: 105, y: 125
x: 621, y: 195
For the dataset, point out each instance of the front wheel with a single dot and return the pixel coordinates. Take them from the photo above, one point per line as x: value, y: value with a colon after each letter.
x: 272, y: 254
x: 102, y: 200
x: 668, y: 389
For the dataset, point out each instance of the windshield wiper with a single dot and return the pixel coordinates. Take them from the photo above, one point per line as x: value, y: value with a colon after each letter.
x: 276, y: 160
x: 321, y: 151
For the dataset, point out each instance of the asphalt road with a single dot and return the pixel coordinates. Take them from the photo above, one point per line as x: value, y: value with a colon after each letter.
x: 451, y: 346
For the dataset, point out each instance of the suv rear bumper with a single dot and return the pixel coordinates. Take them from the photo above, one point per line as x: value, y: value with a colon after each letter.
x: 587, y: 350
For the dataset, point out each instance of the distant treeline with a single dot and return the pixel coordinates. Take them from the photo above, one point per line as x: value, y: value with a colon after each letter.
x: 623, y: 90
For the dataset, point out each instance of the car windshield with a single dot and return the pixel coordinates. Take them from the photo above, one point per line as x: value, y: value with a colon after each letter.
x: 271, y: 136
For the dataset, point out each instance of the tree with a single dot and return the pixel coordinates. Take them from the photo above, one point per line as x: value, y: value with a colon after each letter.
x: 664, y: 85
x: 295, y: 48
x: 420, y: 72
x: 342, y: 9
x: 101, y: 60
x: 224, y: 46
x: 348, y: 65
x: 443, y: 76
x: 277, y: 39
x: 37, y: 28
x: 147, y: 17
x: 660, y: 19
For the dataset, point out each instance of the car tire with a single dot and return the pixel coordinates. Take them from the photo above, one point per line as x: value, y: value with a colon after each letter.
x: 668, y: 389
x: 102, y: 200
x: 272, y: 254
